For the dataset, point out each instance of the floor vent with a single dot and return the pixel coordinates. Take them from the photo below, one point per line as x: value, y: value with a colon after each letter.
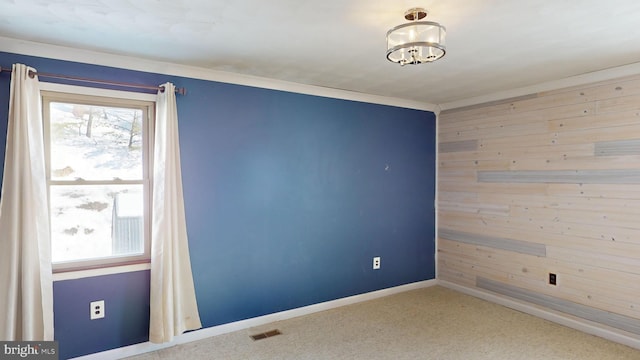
x: 265, y: 335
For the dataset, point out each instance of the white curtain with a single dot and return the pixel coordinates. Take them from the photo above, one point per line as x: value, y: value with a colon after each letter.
x: 26, y: 298
x: 173, y: 300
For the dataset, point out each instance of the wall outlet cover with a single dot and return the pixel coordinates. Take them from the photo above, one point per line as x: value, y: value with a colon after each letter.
x: 97, y: 309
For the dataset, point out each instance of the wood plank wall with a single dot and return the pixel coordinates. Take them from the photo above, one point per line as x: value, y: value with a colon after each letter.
x: 547, y: 183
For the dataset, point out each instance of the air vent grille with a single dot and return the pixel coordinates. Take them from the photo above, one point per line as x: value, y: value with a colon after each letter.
x: 266, y: 334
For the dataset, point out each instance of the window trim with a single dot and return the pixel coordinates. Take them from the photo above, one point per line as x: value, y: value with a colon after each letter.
x: 50, y: 92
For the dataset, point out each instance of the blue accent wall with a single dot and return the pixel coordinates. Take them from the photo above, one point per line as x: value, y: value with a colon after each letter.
x: 126, y: 320
x: 288, y: 199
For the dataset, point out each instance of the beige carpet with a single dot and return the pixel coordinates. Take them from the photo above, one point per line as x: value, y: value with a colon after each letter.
x: 430, y: 323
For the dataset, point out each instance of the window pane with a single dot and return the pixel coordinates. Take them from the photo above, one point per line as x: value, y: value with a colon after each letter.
x: 94, y: 221
x: 95, y: 142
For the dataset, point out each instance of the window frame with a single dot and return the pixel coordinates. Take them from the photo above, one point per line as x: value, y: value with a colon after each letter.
x: 112, y: 98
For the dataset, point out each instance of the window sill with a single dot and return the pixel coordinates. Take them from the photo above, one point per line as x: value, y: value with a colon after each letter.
x: 79, y: 274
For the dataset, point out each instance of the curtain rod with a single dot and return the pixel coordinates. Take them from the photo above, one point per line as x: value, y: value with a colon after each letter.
x: 181, y: 91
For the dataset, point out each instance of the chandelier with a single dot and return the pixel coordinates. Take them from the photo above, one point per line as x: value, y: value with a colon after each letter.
x: 416, y: 42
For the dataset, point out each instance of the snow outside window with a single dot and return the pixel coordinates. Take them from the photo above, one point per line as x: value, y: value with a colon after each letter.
x: 98, y: 178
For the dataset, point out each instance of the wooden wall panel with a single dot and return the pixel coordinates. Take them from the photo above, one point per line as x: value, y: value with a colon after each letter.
x: 456, y: 146
x: 619, y: 147
x: 544, y: 183
x: 608, y: 176
x: 519, y: 246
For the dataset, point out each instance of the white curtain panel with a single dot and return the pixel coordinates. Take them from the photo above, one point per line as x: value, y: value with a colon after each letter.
x: 26, y: 298
x: 173, y: 300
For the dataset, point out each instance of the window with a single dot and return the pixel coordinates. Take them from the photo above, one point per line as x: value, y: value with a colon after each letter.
x: 98, y: 154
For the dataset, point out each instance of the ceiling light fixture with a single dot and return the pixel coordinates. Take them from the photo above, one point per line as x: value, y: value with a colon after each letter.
x: 416, y: 42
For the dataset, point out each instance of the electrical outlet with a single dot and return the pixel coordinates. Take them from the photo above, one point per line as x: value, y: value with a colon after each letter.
x: 376, y: 263
x: 97, y: 309
x: 552, y: 279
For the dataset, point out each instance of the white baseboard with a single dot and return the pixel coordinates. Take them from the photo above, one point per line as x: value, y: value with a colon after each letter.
x: 142, y: 348
x: 573, y: 322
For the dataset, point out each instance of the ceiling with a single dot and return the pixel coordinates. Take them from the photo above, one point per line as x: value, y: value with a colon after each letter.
x: 492, y: 45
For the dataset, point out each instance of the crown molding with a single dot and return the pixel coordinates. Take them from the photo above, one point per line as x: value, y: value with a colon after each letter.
x: 131, y: 63
x: 578, y: 80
